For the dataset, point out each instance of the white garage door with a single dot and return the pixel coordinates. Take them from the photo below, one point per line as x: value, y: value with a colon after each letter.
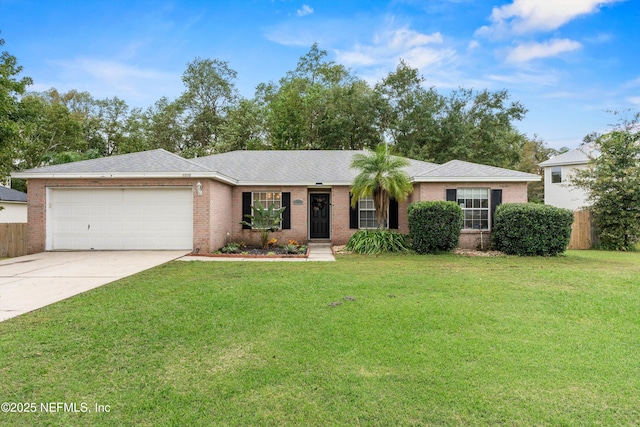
x: 119, y: 218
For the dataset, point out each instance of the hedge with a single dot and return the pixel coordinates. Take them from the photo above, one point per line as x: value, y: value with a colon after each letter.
x: 434, y: 226
x: 531, y: 229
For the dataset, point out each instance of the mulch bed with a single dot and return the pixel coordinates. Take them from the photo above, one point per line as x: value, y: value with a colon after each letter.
x: 253, y: 252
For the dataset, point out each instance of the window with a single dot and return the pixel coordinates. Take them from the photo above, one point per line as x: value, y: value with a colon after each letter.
x: 475, y: 207
x: 366, y: 213
x: 556, y: 174
x: 266, y: 199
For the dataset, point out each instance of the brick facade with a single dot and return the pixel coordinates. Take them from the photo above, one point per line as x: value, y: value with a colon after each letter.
x: 217, y: 212
x: 512, y: 192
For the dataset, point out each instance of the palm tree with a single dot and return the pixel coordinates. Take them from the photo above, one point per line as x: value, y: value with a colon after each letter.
x: 381, y: 176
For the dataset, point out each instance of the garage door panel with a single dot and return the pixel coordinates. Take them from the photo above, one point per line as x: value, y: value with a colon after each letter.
x: 129, y: 218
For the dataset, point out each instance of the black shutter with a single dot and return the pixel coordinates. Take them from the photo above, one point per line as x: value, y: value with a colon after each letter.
x: 393, y: 214
x: 452, y: 194
x: 496, y: 200
x: 353, y: 214
x: 246, y: 208
x: 286, y: 215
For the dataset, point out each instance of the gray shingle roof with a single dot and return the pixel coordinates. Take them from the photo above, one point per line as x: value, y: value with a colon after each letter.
x: 11, y: 195
x: 292, y: 167
x: 142, y: 162
x: 577, y: 156
x: 460, y: 169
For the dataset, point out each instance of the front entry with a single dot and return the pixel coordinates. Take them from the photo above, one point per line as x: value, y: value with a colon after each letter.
x: 319, y: 215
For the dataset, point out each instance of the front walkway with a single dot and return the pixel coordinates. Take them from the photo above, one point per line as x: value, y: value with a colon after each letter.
x: 317, y: 252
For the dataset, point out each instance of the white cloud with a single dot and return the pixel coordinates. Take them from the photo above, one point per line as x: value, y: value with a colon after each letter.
x: 357, y: 57
x: 473, y: 44
x: 305, y: 10
x: 635, y: 100
x: 528, y: 51
x: 561, y: 95
x: 530, y: 78
x: 525, y: 16
x: 388, y: 47
x: 107, y: 78
x: 599, y: 38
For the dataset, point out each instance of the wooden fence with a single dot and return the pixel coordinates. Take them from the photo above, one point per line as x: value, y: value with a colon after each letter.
x: 583, y: 233
x: 13, y: 240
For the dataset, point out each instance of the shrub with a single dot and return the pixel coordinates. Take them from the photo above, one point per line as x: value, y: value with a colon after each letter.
x: 231, y: 248
x: 377, y: 242
x: 290, y: 249
x: 264, y: 220
x: 434, y: 226
x: 531, y: 229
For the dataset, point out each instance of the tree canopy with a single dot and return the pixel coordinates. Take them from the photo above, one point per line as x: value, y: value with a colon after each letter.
x: 318, y: 105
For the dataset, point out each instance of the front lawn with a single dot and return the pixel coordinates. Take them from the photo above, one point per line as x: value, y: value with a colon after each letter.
x: 389, y: 340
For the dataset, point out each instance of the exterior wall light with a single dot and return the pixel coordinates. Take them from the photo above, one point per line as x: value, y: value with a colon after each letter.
x: 199, y: 188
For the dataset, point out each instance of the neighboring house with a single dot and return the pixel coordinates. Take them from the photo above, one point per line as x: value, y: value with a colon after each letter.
x: 14, y: 203
x: 558, y: 174
x: 159, y: 200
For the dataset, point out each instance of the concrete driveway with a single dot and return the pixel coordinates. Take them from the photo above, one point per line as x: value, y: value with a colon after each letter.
x: 34, y: 281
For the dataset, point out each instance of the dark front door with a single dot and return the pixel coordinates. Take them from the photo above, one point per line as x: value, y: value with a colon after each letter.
x: 319, y: 216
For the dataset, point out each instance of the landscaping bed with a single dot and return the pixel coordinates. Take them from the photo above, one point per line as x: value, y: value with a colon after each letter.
x: 254, y: 252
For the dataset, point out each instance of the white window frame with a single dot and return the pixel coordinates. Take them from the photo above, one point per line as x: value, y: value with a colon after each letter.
x: 556, y: 171
x: 370, y: 207
x: 474, y: 202
x: 266, y: 198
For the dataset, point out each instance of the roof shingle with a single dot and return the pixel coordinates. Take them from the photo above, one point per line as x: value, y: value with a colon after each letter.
x: 277, y: 167
x: 577, y: 156
x: 11, y: 195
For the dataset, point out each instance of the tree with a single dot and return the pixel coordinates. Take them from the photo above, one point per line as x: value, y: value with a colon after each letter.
x: 381, y: 176
x: 47, y: 128
x: 11, y: 87
x: 408, y: 114
x: 477, y: 127
x: 466, y: 125
x: 612, y: 180
x: 319, y: 105
x: 244, y: 128
x: 210, y: 93
x: 165, y: 125
x: 113, y: 114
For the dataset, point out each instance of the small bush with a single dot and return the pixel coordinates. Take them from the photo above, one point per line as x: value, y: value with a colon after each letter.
x: 531, y: 229
x: 291, y: 249
x: 434, y: 226
x: 377, y: 242
x: 231, y: 248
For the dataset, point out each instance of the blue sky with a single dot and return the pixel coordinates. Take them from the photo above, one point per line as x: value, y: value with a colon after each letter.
x: 567, y: 61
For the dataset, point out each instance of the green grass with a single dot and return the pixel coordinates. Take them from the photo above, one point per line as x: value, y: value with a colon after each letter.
x: 429, y: 340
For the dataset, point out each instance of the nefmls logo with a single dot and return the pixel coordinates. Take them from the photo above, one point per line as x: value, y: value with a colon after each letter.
x: 64, y: 407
